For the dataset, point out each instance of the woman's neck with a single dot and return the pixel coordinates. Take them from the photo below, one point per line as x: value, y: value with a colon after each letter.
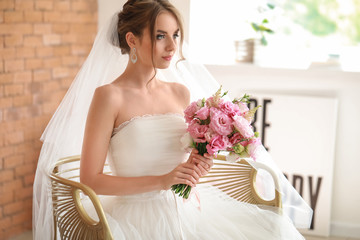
x: 138, y: 76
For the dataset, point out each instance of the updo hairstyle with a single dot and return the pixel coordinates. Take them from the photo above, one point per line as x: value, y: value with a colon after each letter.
x: 139, y: 14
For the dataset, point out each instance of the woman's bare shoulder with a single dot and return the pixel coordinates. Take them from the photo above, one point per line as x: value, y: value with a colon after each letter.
x: 108, y: 96
x: 181, y: 92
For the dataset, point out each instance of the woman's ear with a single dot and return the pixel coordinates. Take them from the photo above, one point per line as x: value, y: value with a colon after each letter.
x: 131, y: 39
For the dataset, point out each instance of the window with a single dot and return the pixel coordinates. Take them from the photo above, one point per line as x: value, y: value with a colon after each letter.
x: 307, y: 33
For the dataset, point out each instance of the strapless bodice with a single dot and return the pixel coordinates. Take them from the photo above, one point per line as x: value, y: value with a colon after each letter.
x: 147, y: 145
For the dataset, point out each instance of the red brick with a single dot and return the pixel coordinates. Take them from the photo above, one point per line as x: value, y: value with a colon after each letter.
x: 29, y: 179
x: 33, y: 63
x: 60, y: 72
x: 13, y: 17
x: 53, y: 17
x: 24, y: 5
x: 66, y: 82
x: 61, y: 51
x: 44, y: 51
x: 80, y: 50
x: 11, y: 186
x: 6, y: 175
x: 62, y: 6
x: 69, y: 38
x: 51, y: 39
x: 44, y: 5
x: 6, y: 102
x: 6, y: 152
x: 13, y: 89
x: 16, y: 28
x: 13, y: 40
x: 60, y: 28
x: 33, y: 17
x: 14, y: 138
x: 21, y: 217
x: 7, y: 53
x: 24, y: 169
x: 52, y: 62
x: 6, y: 78
x: 81, y: 6
x: 71, y: 61
x: 7, y: 5
x: 7, y: 197
x: 42, y: 75
x: 13, y: 208
x: 14, y: 65
x: 2, y: 41
x: 12, y: 114
x: 32, y: 133
x: 5, y: 223
x: 24, y: 100
x: 51, y: 86
x: 13, y: 161
x: 33, y: 41
x: 49, y: 108
x: 23, y: 77
x: 33, y: 111
x: 78, y: 28
x: 25, y: 52
x: 42, y: 28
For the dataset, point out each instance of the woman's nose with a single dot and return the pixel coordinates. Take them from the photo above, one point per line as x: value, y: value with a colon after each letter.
x: 171, y: 46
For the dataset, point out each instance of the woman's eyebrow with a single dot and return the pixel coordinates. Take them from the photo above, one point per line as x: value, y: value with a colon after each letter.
x: 162, y: 31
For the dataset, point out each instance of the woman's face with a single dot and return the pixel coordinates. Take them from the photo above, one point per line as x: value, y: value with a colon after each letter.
x: 166, y: 42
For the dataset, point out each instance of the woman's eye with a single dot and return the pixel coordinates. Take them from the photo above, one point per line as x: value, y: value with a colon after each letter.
x: 176, y: 35
x: 160, y: 36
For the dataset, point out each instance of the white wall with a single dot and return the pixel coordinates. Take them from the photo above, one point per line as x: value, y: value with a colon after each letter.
x: 345, y: 86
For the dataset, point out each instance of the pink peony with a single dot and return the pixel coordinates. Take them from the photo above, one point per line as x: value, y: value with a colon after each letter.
x: 203, y: 113
x: 243, y: 126
x: 197, y: 131
x: 235, y: 138
x: 209, y: 135
x: 190, y: 111
x: 220, y: 122
x: 216, y: 144
x: 229, y: 108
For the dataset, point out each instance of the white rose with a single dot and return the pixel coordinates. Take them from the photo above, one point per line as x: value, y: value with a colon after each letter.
x: 186, y: 142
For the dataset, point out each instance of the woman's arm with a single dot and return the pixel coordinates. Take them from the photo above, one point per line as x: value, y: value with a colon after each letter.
x: 99, y: 126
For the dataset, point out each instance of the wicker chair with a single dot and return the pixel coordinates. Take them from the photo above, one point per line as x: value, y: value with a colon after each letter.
x: 72, y: 221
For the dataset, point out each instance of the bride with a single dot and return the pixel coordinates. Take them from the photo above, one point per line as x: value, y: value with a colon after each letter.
x: 135, y: 122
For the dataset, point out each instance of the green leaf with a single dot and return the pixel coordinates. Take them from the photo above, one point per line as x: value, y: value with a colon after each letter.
x: 263, y: 41
x: 271, y: 6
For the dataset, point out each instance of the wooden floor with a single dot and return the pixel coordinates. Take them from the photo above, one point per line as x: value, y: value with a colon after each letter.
x: 28, y: 236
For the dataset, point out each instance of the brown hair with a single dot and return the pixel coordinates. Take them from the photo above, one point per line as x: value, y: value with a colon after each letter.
x: 139, y: 14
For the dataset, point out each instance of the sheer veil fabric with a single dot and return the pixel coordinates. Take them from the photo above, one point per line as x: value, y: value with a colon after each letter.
x: 64, y: 134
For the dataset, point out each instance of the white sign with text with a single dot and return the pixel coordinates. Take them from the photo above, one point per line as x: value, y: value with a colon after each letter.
x: 299, y: 133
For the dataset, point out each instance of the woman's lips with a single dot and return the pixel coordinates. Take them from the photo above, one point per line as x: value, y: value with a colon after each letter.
x: 167, y: 58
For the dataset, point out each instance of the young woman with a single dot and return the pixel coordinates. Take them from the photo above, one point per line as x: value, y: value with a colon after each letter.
x: 135, y: 122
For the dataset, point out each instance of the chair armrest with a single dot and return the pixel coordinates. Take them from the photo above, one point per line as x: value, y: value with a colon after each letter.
x: 238, y: 180
x: 70, y: 215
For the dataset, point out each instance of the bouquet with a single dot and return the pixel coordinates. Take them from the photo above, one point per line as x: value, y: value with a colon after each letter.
x: 215, y: 125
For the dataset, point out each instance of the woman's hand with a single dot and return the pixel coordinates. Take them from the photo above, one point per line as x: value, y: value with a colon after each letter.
x: 185, y: 173
x: 204, y: 163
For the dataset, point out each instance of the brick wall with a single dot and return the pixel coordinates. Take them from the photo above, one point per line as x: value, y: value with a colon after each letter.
x: 42, y: 45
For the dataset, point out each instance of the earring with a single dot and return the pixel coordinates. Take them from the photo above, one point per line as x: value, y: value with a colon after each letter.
x: 133, y: 56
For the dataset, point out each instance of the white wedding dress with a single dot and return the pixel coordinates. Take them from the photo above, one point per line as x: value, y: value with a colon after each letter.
x: 150, y: 145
